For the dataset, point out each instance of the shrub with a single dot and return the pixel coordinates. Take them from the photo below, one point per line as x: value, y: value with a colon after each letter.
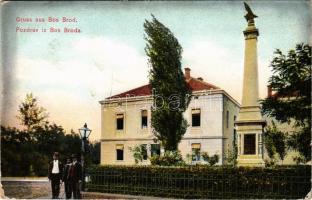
x: 231, y: 157
x: 204, y: 182
x: 299, y: 160
x: 212, y: 160
x: 138, y: 153
x: 269, y: 162
x: 170, y: 158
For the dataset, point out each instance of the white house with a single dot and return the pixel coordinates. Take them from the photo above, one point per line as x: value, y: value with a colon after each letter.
x: 126, y: 122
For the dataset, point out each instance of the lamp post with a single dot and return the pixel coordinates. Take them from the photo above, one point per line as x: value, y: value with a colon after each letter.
x: 84, y: 134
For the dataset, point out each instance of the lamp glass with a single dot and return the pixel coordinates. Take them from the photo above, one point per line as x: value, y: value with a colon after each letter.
x: 84, y: 131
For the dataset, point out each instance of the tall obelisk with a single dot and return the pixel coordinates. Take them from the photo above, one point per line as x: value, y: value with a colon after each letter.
x: 249, y: 123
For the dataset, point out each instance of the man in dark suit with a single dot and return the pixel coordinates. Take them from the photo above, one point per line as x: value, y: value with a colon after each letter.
x: 55, y: 175
x: 75, y: 177
x: 66, y: 179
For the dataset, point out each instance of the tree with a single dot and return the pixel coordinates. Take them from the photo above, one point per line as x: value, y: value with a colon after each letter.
x: 170, y: 92
x: 291, y: 80
x: 275, y: 141
x: 30, y: 114
x: 27, y: 152
x: 16, y: 152
x: 95, y: 152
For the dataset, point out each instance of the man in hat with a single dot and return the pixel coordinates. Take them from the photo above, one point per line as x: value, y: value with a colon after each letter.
x: 66, y: 178
x: 75, y: 177
x: 55, y: 175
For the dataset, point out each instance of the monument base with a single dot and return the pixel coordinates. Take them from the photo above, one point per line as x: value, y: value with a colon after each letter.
x: 250, y: 161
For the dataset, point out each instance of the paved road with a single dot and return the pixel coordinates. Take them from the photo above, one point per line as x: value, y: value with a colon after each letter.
x: 39, y: 188
x: 27, y: 188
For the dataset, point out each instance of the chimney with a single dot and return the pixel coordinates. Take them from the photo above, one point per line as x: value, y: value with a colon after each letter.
x: 269, y: 91
x: 200, y: 78
x: 187, y: 73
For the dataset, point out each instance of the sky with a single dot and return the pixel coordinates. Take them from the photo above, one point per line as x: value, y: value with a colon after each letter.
x: 70, y: 73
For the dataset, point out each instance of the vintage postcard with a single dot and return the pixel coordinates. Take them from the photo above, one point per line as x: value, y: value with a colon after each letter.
x: 192, y: 86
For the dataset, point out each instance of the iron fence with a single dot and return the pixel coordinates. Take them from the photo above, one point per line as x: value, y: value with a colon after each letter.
x: 202, y: 182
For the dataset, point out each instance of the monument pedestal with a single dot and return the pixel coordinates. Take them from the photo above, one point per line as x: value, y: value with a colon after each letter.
x: 249, y: 142
x: 250, y: 160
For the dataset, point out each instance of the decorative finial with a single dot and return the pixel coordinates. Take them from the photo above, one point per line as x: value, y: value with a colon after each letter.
x: 250, y: 15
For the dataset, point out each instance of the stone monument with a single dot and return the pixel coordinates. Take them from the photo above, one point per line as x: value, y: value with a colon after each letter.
x: 249, y: 124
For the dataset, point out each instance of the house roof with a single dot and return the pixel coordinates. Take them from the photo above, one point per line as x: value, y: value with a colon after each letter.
x: 194, y: 84
x: 274, y: 94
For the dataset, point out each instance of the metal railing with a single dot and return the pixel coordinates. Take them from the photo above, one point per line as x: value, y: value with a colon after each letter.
x: 197, y: 182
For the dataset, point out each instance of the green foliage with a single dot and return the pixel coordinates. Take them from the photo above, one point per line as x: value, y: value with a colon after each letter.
x: 170, y: 158
x: 203, y: 182
x: 270, y: 162
x: 188, y: 158
x: 138, y: 152
x: 212, y: 160
x: 28, y: 152
x: 16, y: 152
x: 170, y: 92
x: 299, y: 160
x: 275, y: 142
x: 231, y: 157
x: 30, y: 114
x: 300, y: 141
x: 291, y: 80
x: 95, y: 152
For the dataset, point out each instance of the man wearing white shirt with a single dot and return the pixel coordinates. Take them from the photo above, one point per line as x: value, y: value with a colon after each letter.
x: 55, y: 175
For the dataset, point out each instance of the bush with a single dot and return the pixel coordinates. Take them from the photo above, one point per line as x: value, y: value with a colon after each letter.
x: 231, y: 156
x: 202, y: 181
x: 170, y: 158
x: 138, y: 153
x: 269, y: 162
x: 212, y: 160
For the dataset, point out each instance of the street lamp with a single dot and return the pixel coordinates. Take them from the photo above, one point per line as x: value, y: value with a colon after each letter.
x: 84, y: 134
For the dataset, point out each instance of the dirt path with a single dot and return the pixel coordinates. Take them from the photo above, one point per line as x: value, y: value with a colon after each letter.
x: 27, y: 188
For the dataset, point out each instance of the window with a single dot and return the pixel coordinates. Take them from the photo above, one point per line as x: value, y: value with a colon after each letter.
x: 250, y: 144
x: 155, y: 149
x: 144, y: 119
x: 195, y: 117
x: 119, y: 152
x: 234, y: 136
x: 196, y: 152
x: 120, y: 121
x: 234, y: 131
x: 227, y: 118
x: 144, y: 151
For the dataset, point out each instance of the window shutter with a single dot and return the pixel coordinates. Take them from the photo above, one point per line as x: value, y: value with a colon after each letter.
x: 119, y: 116
x: 195, y: 111
x: 196, y: 146
x: 144, y: 113
x: 120, y: 146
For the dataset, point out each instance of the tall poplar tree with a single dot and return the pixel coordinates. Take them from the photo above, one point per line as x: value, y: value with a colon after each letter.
x: 170, y: 92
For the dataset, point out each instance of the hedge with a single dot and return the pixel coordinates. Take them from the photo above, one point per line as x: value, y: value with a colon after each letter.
x: 283, y: 182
